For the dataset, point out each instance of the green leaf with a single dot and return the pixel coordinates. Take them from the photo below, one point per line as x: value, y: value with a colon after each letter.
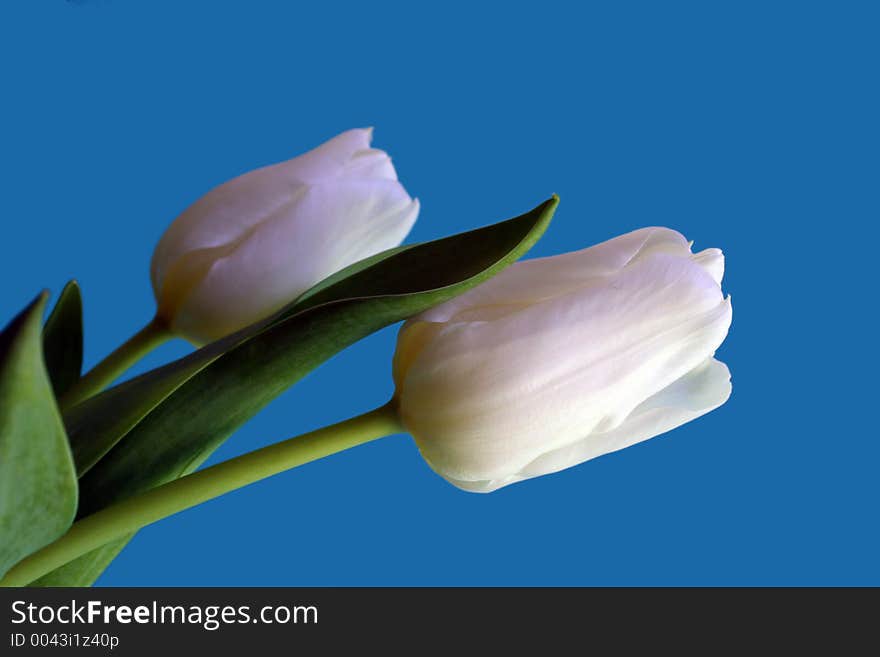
x: 38, y: 488
x: 164, y: 424
x: 63, y: 340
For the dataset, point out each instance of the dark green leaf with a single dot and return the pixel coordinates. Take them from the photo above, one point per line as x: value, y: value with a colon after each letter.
x: 63, y: 340
x: 165, y: 423
x: 38, y: 489
x: 193, y: 404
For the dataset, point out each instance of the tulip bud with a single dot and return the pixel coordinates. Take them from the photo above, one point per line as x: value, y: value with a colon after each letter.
x: 559, y: 360
x: 255, y: 243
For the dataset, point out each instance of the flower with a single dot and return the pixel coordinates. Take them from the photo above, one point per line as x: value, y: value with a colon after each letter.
x: 559, y: 360
x: 252, y: 245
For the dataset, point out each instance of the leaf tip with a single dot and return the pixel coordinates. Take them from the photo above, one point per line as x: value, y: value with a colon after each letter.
x: 38, y: 306
x: 546, y: 211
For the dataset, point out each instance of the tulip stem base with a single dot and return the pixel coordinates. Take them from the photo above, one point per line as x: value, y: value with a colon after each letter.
x: 131, y: 514
x: 113, y: 366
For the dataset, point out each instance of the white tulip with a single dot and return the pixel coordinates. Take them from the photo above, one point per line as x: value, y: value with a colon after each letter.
x: 255, y: 243
x: 559, y: 360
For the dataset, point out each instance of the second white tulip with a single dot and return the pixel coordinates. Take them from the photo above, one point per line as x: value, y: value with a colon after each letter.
x: 558, y: 360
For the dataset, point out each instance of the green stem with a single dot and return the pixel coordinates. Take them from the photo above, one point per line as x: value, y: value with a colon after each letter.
x: 112, y: 367
x: 145, y: 508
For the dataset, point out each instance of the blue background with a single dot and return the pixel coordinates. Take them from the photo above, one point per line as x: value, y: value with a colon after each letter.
x: 749, y: 126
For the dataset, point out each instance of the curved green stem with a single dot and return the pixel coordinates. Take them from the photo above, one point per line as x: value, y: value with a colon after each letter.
x: 112, y: 367
x: 145, y: 508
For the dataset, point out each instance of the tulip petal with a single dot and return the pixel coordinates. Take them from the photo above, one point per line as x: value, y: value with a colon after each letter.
x: 712, y: 261
x: 222, y: 217
x: 328, y: 228
x: 330, y: 159
x: 370, y: 164
x: 700, y: 391
x: 531, y: 281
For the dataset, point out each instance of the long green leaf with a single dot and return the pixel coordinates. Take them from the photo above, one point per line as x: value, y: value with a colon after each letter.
x: 63, y: 340
x: 38, y: 489
x: 164, y: 424
x: 190, y: 422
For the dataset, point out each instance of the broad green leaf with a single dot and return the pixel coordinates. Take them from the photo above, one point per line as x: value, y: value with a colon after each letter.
x: 203, y: 398
x: 63, y: 340
x: 38, y: 488
x: 165, y: 423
